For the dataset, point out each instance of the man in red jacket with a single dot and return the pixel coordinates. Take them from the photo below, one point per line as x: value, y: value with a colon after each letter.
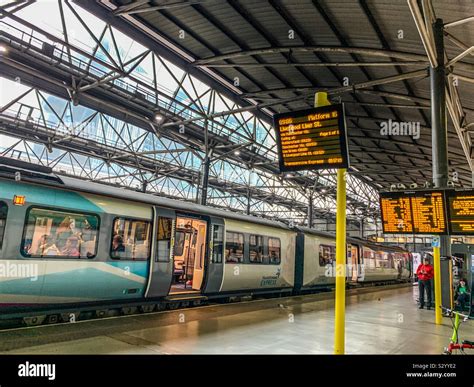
x: 425, y: 273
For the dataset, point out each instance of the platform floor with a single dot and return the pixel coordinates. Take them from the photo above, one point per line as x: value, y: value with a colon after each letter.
x: 380, y: 322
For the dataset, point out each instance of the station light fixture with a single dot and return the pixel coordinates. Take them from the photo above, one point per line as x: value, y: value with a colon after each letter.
x: 237, y: 152
x: 158, y: 117
x: 323, y: 190
x: 3, y: 48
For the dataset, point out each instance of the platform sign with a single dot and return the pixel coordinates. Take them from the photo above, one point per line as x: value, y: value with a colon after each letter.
x: 413, y: 212
x: 460, y: 212
x: 312, y: 139
x: 436, y: 241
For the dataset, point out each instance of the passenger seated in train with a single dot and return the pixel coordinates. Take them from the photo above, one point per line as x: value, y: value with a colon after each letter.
x: 64, y: 231
x: 274, y: 257
x: 462, y: 295
x: 256, y: 256
x: 71, y: 249
x: 117, y: 245
x: 233, y: 256
x: 46, y: 246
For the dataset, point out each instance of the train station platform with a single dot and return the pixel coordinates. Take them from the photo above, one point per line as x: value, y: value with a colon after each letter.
x: 378, y: 321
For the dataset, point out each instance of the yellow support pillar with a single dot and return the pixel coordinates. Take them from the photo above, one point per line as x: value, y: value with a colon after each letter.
x: 341, y: 252
x: 321, y: 99
x: 437, y: 285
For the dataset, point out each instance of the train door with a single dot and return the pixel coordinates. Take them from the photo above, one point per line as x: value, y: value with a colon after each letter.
x: 161, y: 262
x: 215, y: 268
x: 355, y: 263
x: 189, y: 263
x: 200, y: 253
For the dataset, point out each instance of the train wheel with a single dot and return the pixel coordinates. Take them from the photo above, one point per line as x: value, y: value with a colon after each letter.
x: 33, y: 321
x: 147, y: 308
x: 173, y: 305
x: 129, y: 310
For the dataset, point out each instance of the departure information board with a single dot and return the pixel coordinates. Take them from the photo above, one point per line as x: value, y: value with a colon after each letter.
x: 428, y: 213
x: 312, y: 139
x: 396, y: 214
x: 461, y: 212
x: 413, y: 212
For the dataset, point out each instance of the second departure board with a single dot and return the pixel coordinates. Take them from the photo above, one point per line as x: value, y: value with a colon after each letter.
x: 428, y: 213
x: 413, y: 212
x: 312, y: 139
x: 461, y: 212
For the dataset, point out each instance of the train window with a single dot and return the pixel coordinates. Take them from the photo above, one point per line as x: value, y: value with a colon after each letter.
x: 327, y: 255
x: 217, y: 243
x: 369, y: 258
x: 55, y: 233
x: 130, y: 239
x: 234, y: 247
x: 274, y: 251
x: 256, y: 249
x: 379, y: 259
x: 3, y: 221
x: 163, y: 239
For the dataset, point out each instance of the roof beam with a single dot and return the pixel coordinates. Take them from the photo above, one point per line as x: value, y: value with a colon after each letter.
x: 314, y: 64
x: 407, y: 56
x: 130, y: 9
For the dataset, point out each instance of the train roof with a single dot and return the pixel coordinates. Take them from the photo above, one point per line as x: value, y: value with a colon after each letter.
x: 38, y: 174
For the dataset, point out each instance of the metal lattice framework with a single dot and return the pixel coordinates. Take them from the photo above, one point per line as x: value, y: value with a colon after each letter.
x: 102, y: 112
x: 283, y: 52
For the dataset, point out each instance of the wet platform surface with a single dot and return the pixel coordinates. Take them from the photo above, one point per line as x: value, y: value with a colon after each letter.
x: 377, y: 322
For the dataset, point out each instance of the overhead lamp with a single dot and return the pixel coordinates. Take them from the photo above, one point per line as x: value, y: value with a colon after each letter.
x: 323, y: 191
x: 3, y: 48
x: 236, y: 152
x: 158, y: 117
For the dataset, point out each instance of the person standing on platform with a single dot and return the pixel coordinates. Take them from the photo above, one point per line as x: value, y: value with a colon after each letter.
x: 425, y: 273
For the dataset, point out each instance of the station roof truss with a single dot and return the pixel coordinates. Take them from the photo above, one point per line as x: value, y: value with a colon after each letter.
x: 232, y: 65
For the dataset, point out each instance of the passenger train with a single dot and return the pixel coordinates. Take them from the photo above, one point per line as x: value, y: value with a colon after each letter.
x: 68, y: 242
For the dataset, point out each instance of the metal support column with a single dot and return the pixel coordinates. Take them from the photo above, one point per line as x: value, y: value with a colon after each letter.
x: 439, y: 143
x: 205, y: 167
x: 248, y: 201
x: 310, y: 211
x: 205, y: 179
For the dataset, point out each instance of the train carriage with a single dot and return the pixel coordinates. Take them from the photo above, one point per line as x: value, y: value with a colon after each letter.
x: 64, y: 241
